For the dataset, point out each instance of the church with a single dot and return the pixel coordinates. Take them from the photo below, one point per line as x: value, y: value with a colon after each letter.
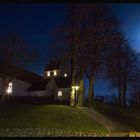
x: 56, y: 82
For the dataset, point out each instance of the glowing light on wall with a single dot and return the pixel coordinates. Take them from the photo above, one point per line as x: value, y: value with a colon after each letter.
x: 55, y: 73
x: 9, y: 89
x: 48, y: 73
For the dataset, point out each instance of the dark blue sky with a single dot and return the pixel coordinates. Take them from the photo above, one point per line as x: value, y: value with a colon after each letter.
x: 129, y: 17
x: 35, y: 23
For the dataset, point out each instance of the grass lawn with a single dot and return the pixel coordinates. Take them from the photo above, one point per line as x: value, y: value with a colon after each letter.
x: 47, y: 116
x: 129, y: 116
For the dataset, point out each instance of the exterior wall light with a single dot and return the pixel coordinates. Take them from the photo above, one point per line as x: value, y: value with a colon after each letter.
x: 10, y: 87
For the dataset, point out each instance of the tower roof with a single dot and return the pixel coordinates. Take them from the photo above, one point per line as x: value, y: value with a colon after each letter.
x: 53, y: 65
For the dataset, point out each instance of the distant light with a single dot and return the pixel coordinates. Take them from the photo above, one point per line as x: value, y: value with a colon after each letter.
x: 59, y: 93
x: 65, y: 75
x: 55, y: 73
x: 48, y: 73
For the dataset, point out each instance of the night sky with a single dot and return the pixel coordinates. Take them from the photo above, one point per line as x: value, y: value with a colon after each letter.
x: 35, y: 23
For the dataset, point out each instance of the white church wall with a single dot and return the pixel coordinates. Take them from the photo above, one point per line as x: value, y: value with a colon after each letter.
x: 20, y: 87
x: 36, y: 93
x: 51, y: 89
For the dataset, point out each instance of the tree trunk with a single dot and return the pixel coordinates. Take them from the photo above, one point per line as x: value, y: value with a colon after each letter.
x: 71, y: 67
x: 91, y: 89
x: 80, y: 93
x: 3, y: 97
x: 124, y: 93
x: 5, y: 82
x: 120, y: 93
x: 84, y: 94
x: 119, y: 100
x: 121, y: 96
x: 73, y: 70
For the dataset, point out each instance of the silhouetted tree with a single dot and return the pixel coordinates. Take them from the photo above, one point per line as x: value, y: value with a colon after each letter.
x: 134, y: 82
x: 103, y: 27
x: 71, y: 33
x: 87, y: 34
x: 14, y: 54
x: 121, y: 65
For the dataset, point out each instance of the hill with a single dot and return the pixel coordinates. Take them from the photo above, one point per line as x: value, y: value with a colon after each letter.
x: 48, y: 117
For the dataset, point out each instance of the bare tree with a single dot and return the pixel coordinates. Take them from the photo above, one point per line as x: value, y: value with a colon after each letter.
x: 103, y: 27
x: 87, y: 35
x: 71, y: 34
x: 121, y: 64
x: 134, y: 81
x: 14, y: 54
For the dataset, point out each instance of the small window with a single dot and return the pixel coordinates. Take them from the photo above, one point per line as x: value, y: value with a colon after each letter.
x: 55, y: 73
x: 59, y: 93
x: 10, y: 84
x: 65, y: 75
x: 48, y: 73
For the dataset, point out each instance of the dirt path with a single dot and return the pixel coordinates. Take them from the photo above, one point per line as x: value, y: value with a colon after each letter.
x: 109, y: 123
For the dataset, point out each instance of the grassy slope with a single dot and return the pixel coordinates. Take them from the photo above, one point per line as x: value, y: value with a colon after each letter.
x: 129, y: 116
x: 131, y: 111
x: 47, y: 116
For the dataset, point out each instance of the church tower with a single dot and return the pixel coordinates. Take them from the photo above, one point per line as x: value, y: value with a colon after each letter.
x: 57, y: 68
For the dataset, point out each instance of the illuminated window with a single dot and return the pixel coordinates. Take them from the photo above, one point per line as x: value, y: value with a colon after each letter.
x: 9, y: 89
x: 10, y: 84
x: 65, y: 75
x: 55, y: 73
x: 48, y: 73
x: 59, y: 93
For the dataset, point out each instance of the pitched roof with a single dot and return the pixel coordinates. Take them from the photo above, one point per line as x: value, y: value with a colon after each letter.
x: 52, y: 65
x: 22, y: 74
x: 28, y: 76
x: 38, y: 85
x: 63, y: 82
